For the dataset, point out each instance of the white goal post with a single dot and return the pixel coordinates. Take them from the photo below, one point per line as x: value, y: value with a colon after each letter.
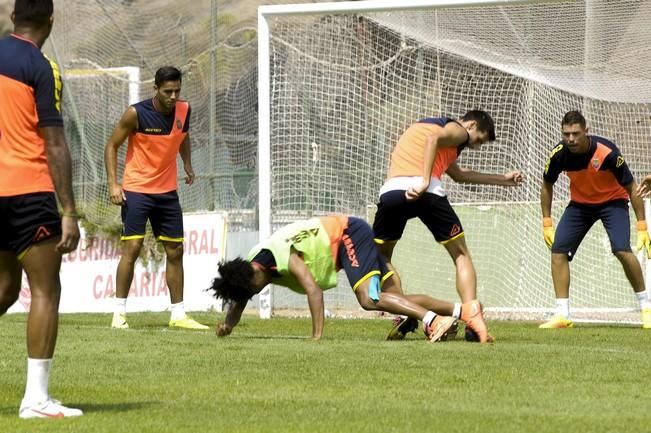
x: 338, y: 83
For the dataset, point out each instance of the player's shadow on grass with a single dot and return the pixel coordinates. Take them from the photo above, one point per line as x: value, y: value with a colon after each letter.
x: 113, y: 407
x: 243, y: 336
x: 12, y: 411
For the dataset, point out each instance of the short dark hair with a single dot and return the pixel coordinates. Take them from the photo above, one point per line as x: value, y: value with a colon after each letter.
x: 573, y: 117
x: 167, y: 73
x: 33, y: 13
x: 484, y: 122
x: 234, y: 281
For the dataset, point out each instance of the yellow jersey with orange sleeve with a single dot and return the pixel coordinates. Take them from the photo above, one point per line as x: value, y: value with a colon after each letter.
x: 316, y: 240
x: 151, y: 155
x: 30, y: 98
x: 596, y: 176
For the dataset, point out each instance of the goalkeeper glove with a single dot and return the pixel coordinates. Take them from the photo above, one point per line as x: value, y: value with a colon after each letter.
x: 643, y: 238
x: 548, y: 232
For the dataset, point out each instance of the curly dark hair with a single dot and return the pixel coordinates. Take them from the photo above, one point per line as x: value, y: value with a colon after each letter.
x: 234, y: 281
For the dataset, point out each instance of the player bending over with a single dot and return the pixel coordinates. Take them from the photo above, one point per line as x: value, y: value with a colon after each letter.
x: 305, y: 257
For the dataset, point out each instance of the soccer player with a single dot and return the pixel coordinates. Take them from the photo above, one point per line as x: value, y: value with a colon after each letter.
x: 425, y: 151
x: 35, y: 163
x: 600, y: 187
x: 305, y: 257
x: 157, y: 129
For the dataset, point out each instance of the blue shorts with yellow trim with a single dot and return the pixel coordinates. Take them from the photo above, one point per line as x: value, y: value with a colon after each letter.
x: 578, y: 219
x: 393, y: 212
x: 27, y: 219
x: 358, y: 255
x: 162, y: 210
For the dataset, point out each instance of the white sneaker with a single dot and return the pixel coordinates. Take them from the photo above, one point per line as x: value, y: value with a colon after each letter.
x: 48, y: 409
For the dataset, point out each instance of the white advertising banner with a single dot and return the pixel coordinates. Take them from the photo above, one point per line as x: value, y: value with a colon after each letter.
x: 88, y: 274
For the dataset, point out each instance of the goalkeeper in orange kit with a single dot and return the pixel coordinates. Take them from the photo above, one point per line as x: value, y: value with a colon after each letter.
x: 601, y: 186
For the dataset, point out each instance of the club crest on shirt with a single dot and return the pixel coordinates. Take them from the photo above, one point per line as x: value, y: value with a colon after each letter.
x: 179, y: 125
x: 595, y: 163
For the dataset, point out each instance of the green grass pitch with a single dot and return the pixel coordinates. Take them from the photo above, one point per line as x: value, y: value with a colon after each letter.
x: 269, y: 377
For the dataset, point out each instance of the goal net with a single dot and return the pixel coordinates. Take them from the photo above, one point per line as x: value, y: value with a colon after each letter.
x: 90, y: 121
x: 341, y: 81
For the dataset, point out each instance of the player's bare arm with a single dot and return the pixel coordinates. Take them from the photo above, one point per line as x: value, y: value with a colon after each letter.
x: 60, y: 166
x: 546, y: 196
x: 186, y: 155
x: 636, y: 201
x: 452, y: 135
x: 643, y: 240
x: 314, y: 293
x: 464, y: 175
x: 127, y: 124
x: 644, y: 188
x: 233, y: 315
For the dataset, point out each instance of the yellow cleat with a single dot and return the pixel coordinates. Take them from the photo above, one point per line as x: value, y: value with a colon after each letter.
x: 187, y: 323
x: 646, y: 317
x: 557, y: 322
x: 119, y: 321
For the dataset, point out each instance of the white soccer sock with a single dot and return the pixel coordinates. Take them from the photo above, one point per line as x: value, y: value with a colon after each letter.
x: 429, y: 316
x: 563, y: 307
x: 456, y: 313
x: 643, y: 299
x: 121, y: 305
x: 38, y: 378
x: 178, y: 311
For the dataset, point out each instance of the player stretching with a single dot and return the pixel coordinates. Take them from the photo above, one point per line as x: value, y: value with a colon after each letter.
x: 426, y: 150
x: 600, y: 187
x: 305, y: 257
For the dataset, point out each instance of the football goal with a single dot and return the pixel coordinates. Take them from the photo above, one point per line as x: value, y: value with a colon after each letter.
x: 339, y: 83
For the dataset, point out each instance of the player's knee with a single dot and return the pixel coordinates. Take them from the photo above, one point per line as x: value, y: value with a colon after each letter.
x: 8, y: 297
x: 458, y: 250
x: 559, y: 258
x: 462, y: 260
x: 6, y: 301
x: 368, y: 305
x: 130, y: 251
x: 623, y: 255
x: 174, y: 252
x: 364, y: 300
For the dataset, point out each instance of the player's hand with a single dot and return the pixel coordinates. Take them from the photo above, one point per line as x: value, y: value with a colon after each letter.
x: 643, y: 240
x: 222, y: 330
x: 548, y: 232
x: 513, y: 178
x: 414, y: 192
x: 116, y: 194
x: 189, y: 174
x: 69, y: 235
x: 644, y: 188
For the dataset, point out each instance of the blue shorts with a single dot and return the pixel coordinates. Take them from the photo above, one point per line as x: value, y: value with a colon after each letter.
x: 393, y: 212
x: 579, y: 218
x: 27, y: 219
x: 162, y: 210
x: 358, y: 255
